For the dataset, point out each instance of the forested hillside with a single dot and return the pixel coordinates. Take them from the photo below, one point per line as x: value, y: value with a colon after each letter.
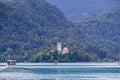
x: 79, y: 9
x: 105, y: 25
x: 29, y: 29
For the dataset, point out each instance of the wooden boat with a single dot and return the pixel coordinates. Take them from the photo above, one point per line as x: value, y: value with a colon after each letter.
x: 55, y: 62
x: 11, y: 62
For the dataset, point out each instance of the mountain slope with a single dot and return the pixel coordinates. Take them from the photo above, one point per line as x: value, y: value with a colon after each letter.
x: 30, y: 26
x: 27, y: 27
x: 79, y: 9
x: 105, y: 25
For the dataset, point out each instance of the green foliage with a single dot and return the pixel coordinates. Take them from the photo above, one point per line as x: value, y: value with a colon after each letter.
x: 76, y: 10
x: 105, y: 25
x: 103, y: 30
x: 31, y: 26
x: 51, y: 56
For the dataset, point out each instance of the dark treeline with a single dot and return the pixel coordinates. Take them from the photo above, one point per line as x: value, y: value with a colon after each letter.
x: 54, y: 55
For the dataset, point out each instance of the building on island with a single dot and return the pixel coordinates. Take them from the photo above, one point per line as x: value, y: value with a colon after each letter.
x: 65, y: 50
x: 59, y: 47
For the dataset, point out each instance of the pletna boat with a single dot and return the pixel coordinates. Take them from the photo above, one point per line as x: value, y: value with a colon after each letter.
x: 11, y: 62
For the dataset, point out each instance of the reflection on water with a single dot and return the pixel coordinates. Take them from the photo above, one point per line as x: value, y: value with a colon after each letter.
x: 62, y: 71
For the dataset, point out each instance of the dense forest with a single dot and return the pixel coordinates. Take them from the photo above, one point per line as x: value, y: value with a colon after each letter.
x: 27, y: 27
x: 30, y: 29
x: 76, y: 10
x: 105, y: 25
x: 73, y: 56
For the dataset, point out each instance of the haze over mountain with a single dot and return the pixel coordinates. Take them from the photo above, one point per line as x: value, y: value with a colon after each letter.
x: 105, y: 25
x: 78, y: 9
x: 30, y: 26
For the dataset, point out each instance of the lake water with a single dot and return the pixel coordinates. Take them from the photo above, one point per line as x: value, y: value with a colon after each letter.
x: 61, y: 71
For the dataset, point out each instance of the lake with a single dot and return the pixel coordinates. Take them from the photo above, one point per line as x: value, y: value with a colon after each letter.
x: 60, y: 71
